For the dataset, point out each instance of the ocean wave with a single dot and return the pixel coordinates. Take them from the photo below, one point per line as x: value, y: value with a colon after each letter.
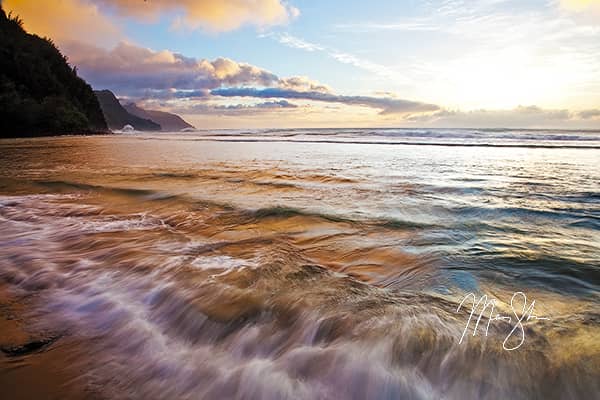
x: 240, y: 139
x: 208, y: 276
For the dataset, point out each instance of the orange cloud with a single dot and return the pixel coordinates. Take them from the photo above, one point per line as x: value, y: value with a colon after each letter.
x: 64, y: 20
x: 212, y: 15
x: 83, y: 20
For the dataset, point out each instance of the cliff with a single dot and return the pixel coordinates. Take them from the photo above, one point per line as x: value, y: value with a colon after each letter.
x: 40, y: 93
x: 168, y: 121
x: 117, y: 116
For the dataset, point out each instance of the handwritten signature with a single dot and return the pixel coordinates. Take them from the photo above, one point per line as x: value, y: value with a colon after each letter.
x: 483, y: 304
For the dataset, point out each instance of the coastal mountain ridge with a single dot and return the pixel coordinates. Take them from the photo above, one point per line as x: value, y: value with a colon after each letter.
x: 40, y: 93
x: 168, y: 121
x: 117, y: 117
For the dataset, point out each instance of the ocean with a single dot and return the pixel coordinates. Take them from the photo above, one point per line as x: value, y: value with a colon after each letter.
x: 312, y: 263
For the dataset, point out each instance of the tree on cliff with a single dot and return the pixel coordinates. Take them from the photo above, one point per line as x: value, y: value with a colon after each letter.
x: 40, y: 93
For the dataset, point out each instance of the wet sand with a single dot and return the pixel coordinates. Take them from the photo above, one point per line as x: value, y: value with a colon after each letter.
x: 33, y: 362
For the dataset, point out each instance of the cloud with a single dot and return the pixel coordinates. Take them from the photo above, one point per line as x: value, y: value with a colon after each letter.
x: 207, y: 108
x: 590, y: 114
x: 303, y: 83
x: 519, y: 117
x: 212, y: 15
x: 387, y: 105
x: 581, y: 6
x: 86, y: 20
x: 135, y: 71
x: 65, y: 19
x: 491, y: 53
x: 297, y: 43
x: 132, y: 69
x: 140, y: 73
x: 266, y: 105
x: 276, y: 104
x: 340, y: 56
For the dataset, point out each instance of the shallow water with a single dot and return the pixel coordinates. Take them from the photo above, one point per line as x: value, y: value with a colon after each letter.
x: 210, y: 266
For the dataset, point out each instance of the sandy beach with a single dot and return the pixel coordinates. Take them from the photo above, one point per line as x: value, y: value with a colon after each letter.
x: 34, y: 364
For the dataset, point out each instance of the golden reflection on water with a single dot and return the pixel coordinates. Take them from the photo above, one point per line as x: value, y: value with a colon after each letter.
x: 214, y: 269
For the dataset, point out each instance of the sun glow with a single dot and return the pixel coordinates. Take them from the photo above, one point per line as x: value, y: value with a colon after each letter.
x: 579, y: 5
x: 507, y: 78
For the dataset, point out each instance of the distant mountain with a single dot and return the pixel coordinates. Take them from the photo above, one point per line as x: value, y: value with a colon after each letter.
x: 40, y: 93
x: 117, y: 116
x: 168, y: 121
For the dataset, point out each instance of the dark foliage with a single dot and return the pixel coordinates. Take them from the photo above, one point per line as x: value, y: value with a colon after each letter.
x: 40, y: 94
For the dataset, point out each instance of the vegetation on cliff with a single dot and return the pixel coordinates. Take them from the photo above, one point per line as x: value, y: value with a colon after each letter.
x: 40, y: 93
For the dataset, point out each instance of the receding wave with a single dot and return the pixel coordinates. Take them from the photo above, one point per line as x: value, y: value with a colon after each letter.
x: 274, y: 271
x: 190, y: 316
x: 238, y: 139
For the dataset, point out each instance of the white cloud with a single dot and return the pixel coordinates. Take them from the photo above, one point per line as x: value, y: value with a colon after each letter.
x: 494, y: 53
x: 519, y: 117
x: 340, y: 56
x: 134, y: 69
x: 297, y: 43
x: 137, y: 71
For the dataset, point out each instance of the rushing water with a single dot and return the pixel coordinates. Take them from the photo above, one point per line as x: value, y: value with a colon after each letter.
x: 310, y: 264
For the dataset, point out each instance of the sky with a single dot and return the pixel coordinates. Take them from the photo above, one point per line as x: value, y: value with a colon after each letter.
x: 300, y: 63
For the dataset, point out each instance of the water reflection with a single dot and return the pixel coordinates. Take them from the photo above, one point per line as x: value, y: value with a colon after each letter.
x: 196, y: 269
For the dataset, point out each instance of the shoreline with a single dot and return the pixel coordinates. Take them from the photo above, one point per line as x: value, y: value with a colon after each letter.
x: 49, y: 135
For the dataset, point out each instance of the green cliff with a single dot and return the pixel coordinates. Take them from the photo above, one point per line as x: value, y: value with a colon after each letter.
x: 40, y: 93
